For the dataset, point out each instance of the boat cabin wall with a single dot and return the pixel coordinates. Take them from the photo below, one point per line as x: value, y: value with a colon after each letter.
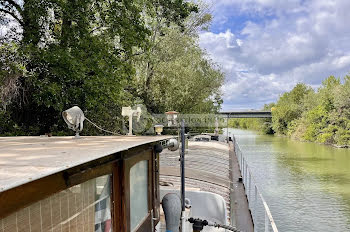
x: 116, y: 193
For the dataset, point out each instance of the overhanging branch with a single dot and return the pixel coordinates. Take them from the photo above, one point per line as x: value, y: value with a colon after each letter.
x: 13, y: 15
x: 14, y: 4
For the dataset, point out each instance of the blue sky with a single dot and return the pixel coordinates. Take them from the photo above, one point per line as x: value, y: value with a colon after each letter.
x: 265, y: 47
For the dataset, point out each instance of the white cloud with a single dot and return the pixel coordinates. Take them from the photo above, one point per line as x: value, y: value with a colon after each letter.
x: 293, y: 41
x: 341, y: 62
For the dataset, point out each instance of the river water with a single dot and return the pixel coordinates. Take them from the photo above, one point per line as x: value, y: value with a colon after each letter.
x: 306, y: 185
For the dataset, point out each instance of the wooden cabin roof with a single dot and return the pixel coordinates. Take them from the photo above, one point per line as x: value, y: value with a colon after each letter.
x: 24, y: 159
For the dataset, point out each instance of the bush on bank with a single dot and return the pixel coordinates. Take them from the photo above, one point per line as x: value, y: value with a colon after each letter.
x: 305, y: 114
x: 325, y: 115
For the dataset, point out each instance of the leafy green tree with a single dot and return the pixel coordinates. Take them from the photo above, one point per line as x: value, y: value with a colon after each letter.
x: 77, y: 54
x: 12, y: 68
x: 326, y: 92
x: 341, y: 97
x: 173, y: 73
x: 181, y: 79
x: 316, y: 120
x: 88, y: 53
x: 303, y: 114
x: 289, y: 107
x: 325, y: 116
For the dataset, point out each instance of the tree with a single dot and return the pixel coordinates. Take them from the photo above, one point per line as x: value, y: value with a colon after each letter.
x: 289, y: 107
x: 341, y: 95
x: 86, y: 52
x: 172, y: 74
x: 77, y: 54
x: 326, y: 92
x: 182, y: 78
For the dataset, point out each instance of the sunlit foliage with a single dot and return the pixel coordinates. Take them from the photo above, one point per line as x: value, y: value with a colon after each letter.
x: 322, y: 116
x: 59, y: 53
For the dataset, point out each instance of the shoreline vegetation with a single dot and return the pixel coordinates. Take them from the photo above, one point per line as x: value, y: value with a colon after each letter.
x: 101, y: 56
x: 304, y: 114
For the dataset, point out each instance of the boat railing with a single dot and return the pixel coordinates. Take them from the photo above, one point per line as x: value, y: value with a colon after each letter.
x: 259, y: 209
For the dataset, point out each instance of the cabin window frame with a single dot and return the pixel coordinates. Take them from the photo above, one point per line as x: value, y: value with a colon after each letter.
x: 146, y: 223
x: 118, y: 165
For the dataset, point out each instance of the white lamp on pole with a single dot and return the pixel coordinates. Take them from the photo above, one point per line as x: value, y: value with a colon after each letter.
x: 74, y: 117
x: 129, y: 112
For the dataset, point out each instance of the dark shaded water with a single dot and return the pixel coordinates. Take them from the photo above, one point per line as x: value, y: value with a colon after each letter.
x: 306, y: 185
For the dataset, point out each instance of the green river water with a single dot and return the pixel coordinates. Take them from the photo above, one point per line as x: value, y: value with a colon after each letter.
x: 306, y: 185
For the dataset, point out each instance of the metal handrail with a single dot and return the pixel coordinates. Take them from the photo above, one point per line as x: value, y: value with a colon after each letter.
x: 250, y: 185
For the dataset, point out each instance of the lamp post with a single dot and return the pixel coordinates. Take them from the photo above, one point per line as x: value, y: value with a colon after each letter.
x: 74, y: 117
x: 216, y: 126
x: 182, y: 170
x: 128, y: 112
x: 172, y: 118
x: 158, y: 129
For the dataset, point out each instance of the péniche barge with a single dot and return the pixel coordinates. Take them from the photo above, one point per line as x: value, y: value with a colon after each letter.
x: 116, y: 183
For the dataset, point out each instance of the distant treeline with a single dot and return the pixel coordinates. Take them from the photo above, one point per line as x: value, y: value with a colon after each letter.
x: 102, y: 55
x: 304, y: 114
x: 259, y: 124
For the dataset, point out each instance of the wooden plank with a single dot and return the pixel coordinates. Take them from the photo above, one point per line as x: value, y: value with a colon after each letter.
x: 118, y: 211
x: 156, y: 191
x: 88, y: 174
x: 145, y: 225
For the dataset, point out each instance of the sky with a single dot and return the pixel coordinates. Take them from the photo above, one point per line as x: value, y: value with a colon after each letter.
x: 266, y: 47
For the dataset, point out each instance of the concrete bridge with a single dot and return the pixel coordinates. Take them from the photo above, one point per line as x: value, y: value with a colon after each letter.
x: 247, y: 114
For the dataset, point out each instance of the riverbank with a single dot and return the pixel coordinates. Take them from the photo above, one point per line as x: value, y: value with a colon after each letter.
x: 306, y: 185
x: 321, y: 115
x: 315, y: 142
x: 292, y: 138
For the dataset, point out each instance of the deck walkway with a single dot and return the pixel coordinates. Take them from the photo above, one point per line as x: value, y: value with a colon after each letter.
x: 240, y: 208
x: 209, y: 168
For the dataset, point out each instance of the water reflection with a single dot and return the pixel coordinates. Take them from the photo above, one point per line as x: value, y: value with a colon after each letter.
x: 307, y: 185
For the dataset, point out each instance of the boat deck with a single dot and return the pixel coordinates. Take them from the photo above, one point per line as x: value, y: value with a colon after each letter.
x: 208, y: 168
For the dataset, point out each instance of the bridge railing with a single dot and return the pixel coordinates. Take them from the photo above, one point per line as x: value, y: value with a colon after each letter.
x: 247, y: 114
x: 261, y: 214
